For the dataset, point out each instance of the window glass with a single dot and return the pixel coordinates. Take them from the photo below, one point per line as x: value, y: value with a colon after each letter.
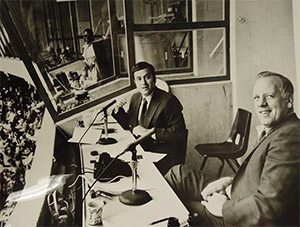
x: 100, y: 17
x: 83, y: 19
x: 178, y: 50
x: 159, y: 11
x: 5, y: 45
x: 177, y: 11
x: 67, y: 44
x: 165, y: 50
x: 209, y: 52
x: 208, y: 10
x: 122, y: 54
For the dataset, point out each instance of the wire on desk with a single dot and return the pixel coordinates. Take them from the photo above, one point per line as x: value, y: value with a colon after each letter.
x: 77, y: 178
x: 116, y: 177
x: 99, y: 176
x: 79, y: 142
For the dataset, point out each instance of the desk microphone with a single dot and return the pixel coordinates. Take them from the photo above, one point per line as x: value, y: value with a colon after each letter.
x: 106, y: 139
x: 131, y: 146
x: 104, y: 109
x: 135, y: 196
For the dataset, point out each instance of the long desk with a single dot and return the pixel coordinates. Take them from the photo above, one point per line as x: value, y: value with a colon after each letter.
x: 164, y: 204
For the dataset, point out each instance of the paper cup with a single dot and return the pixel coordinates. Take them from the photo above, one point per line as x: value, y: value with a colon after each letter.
x: 95, y: 209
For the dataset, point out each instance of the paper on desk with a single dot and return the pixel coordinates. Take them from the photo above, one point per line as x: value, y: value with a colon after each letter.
x: 91, y: 137
x: 153, y: 157
x: 122, y: 185
x: 143, y: 216
x: 149, y: 156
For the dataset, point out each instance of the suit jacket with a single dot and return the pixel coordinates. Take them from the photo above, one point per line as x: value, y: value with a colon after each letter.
x: 165, y: 114
x: 265, y: 190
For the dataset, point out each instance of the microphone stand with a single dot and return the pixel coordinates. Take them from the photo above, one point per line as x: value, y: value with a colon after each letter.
x: 134, y: 196
x: 106, y: 140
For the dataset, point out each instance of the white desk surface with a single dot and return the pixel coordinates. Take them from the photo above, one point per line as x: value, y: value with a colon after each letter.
x: 164, y: 204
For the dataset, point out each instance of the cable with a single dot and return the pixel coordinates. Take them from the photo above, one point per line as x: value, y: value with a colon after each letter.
x: 94, y: 119
x: 116, y: 177
x: 75, y: 181
x: 79, y: 141
x: 99, y: 176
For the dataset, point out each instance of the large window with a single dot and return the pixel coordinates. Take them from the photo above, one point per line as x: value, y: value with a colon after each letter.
x: 179, y: 36
x: 174, y: 35
x: 6, y: 48
x: 187, y: 41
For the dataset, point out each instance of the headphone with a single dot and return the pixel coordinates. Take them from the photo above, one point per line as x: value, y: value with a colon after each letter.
x: 59, y: 210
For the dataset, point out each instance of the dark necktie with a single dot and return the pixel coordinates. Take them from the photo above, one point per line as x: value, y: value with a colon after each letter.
x: 143, y: 112
x: 262, y: 135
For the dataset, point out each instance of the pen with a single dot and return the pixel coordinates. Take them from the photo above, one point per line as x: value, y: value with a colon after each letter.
x: 103, y: 194
x: 100, y: 193
x: 159, y: 221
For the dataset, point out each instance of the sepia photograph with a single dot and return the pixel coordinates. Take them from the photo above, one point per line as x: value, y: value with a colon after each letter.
x: 149, y: 112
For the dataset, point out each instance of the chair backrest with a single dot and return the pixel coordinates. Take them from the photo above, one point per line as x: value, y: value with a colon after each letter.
x: 184, y: 145
x: 160, y: 83
x: 240, y: 131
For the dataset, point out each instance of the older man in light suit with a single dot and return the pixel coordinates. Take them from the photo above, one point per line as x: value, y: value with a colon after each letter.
x: 265, y: 190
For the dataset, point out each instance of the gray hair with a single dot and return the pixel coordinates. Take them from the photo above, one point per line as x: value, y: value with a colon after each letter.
x: 286, y: 84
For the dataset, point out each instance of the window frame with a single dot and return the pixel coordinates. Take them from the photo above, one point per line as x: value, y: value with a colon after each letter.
x: 184, y: 26
x: 27, y: 52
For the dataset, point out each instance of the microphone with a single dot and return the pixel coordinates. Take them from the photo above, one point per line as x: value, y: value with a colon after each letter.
x: 135, y: 196
x: 104, y: 109
x: 132, y: 145
x: 142, y: 138
x: 106, y: 140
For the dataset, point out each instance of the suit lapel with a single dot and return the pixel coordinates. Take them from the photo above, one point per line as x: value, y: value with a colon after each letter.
x: 245, y: 162
x: 135, y: 109
x: 253, y: 149
x: 154, y: 104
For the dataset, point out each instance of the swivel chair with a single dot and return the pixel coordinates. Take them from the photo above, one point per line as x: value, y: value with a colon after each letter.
x: 234, y: 147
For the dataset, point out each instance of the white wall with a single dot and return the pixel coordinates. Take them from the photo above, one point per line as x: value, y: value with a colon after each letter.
x: 264, y: 41
x: 207, y: 110
x: 296, y: 15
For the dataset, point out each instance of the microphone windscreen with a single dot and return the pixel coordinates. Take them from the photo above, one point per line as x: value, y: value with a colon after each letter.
x: 107, y: 106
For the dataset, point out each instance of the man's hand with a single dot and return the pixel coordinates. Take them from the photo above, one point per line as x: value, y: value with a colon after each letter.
x: 217, y: 186
x: 119, y: 104
x: 139, y: 130
x: 214, y: 203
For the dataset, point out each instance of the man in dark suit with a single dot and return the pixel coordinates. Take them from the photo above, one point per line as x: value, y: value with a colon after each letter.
x: 151, y: 108
x: 265, y: 190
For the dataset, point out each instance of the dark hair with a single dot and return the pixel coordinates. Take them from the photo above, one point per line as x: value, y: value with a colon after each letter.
x: 89, y: 31
x: 286, y: 84
x: 143, y: 65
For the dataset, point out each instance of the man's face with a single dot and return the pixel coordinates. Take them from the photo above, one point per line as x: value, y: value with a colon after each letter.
x: 270, y: 103
x: 144, y: 82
